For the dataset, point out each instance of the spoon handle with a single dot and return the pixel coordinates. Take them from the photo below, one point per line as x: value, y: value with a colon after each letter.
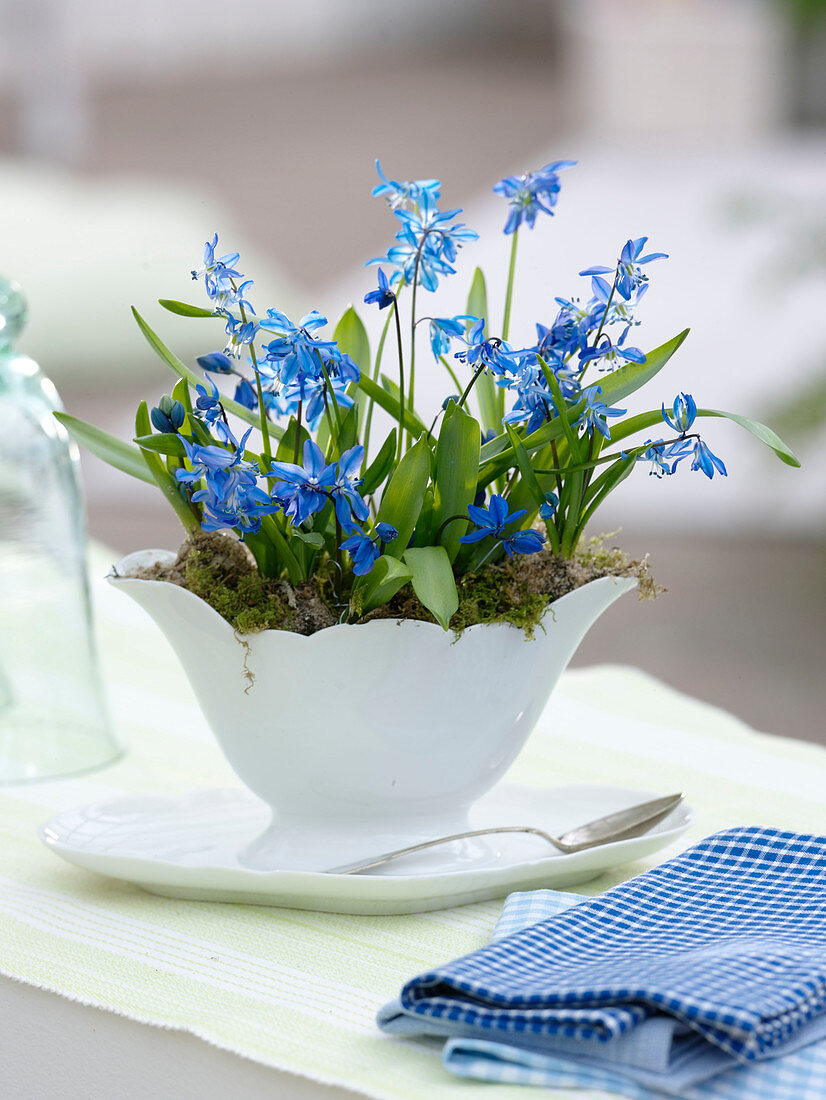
x: 616, y: 826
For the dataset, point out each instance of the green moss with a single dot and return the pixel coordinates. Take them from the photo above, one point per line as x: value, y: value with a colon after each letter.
x: 495, y: 597
x: 515, y: 590
x: 249, y: 605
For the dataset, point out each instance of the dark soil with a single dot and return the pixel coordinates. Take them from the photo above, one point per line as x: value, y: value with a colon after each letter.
x: 221, y: 570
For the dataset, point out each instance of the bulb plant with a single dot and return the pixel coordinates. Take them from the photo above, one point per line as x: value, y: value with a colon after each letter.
x: 530, y: 440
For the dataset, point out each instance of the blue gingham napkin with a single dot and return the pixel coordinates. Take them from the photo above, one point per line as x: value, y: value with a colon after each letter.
x: 713, y: 961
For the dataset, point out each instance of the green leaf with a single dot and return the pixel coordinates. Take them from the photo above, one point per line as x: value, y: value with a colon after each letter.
x: 759, y: 431
x: 486, y: 388
x: 403, y: 497
x: 528, y: 477
x: 285, y: 451
x: 183, y: 371
x: 433, y: 581
x: 381, y: 465
x: 123, y: 456
x: 620, y: 383
x: 390, y: 404
x: 644, y: 421
x: 457, y: 468
x: 162, y: 443
x: 347, y: 434
x: 183, y: 309
x: 351, y: 337
x: 381, y: 584
x: 312, y: 538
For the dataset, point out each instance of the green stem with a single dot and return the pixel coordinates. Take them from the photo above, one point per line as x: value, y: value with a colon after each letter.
x: 262, y: 412
x: 506, y: 321
x: 470, y: 384
x: 412, y: 347
x: 379, y: 352
x: 401, y: 371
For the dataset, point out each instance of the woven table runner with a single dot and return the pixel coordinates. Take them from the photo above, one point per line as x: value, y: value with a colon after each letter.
x: 299, y: 990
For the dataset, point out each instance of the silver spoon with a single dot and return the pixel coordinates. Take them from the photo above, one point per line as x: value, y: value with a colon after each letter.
x: 605, y: 830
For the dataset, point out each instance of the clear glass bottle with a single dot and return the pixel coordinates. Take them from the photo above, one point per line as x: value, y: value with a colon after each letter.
x: 53, y: 719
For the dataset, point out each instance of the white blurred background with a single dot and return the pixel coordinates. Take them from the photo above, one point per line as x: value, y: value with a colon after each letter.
x: 130, y: 132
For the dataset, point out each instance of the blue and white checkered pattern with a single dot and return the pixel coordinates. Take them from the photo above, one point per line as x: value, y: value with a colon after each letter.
x: 728, y: 938
x: 797, y: 1076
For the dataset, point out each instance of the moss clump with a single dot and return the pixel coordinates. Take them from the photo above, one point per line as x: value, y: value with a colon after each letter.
x: 220, y: 570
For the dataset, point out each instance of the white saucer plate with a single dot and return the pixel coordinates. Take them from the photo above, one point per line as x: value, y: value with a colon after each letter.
x: 187, y: 848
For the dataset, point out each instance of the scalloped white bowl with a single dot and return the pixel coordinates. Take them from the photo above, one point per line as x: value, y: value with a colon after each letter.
x: 365, y: 738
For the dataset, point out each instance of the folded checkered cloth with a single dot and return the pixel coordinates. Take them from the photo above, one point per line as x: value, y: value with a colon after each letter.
x: 713, y: 959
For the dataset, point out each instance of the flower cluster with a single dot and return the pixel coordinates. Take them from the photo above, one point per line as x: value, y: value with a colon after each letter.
x: 309, y: 494
x: 665, y: 457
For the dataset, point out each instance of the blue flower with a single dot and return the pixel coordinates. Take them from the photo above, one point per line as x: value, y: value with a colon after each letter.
x: 611, y: 353
x: 523, y: 542
x: 656, y: 453
x: 702, y: 458
x: 294, y: 350
x: 241, y: 334
x: 428, y: 243
x: 208, y: 403
x: 304, y: 490
x: 245, y: 395
x: 212, y: 267
x: 344, y: 494
x: 231, y: 497
x: 534, y: 402
x: 493, y: 521
x: 384, y: 296
x: 494, y: 353
x: 683, y: 413
x: 445, y: 329
x: 216, y: 362
x: 531, y: 193
x: 547, y: 511
x: 364, y: 550
x: 595, y: 412
x: 399, y: 194
x: 225, y: 296
x: 168, y: 416
x: 627, y: 272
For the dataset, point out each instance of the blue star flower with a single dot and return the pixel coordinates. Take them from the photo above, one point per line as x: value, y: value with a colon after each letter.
x: 294, y: 350
x: 304, y: 490
x: 384, y: 296
x: 364, y: 550
x: 702, y: 458
x: 493, y: 521
x: 495, y: 354
x: 427, y: 243
x: 627, y: 271
x: 445, y: 329
x: 531, y: 193
x: 610, y: 353
x: 683, y: 413
x: 656, y: 453
x: 241, y: 334
x: 594, y: 414
x: 212, y: 267
x: 208, y: 403
x: 399, y: 194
